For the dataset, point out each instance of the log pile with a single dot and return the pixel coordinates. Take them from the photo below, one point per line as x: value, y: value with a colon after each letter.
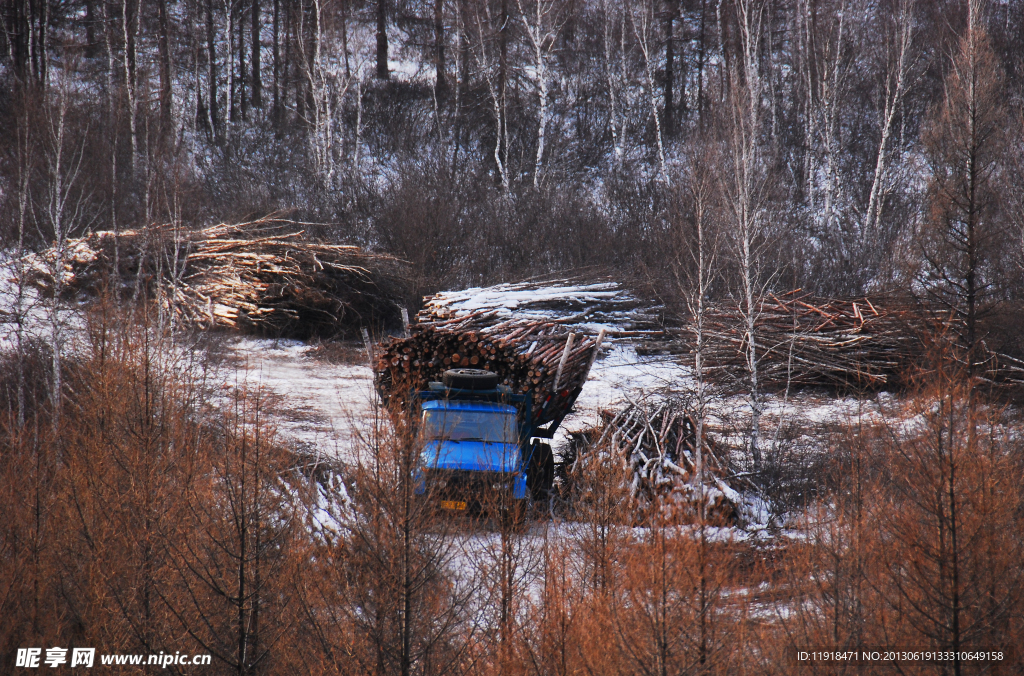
x: 654, y: 440
x: 542, y: 358
x: 585, y: 306
x: 804, y: 341
x: 540, y: 337
x: 261, y: 275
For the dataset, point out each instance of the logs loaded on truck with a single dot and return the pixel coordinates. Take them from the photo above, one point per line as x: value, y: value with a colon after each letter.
x: 485, y: 397
x: 540, y: 338
x: 488, y: 386
x: 538, y: 359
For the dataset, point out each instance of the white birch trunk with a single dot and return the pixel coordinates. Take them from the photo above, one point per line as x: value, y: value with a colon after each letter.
x: 895, y: 89
x: 643, y: 29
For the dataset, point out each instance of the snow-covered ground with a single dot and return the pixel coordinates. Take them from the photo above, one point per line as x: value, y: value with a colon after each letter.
x: 325, y: 405
x: 319, y: 404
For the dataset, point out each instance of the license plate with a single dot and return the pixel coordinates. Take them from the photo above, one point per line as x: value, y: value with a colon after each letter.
x: 453, y: 504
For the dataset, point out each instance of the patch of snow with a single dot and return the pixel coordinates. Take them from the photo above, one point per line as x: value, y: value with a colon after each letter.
x: 323, y: 405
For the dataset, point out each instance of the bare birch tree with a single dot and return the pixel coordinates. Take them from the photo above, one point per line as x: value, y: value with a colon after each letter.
x: 827, y: 85
x: 542, y: 26
x: 695, y: 279
x: 329, y: 81
x: 64, y: 212
x: 898, y: 79
x: 744, y: 183
x: 615, y: 78
x: 492, y: 67
x: 645, y: 30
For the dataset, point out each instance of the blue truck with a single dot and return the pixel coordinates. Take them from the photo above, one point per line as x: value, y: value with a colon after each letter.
x: 481, y: 446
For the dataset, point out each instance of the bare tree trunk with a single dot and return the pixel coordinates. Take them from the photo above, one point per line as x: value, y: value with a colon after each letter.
x: 44, y: 32
x: 232, y: 102
x: 896, y: 83
x: 541, y: 37
x: 276, y: 113
x: 503, y: 32
x: 129, y: 24
x: 20, y: 310
x: 257, y: 80
x: 495, y: 85
x: 616, y: 118
x: 701, y: 63
x: 62, y: 216
x: 670, y: 11
x: 440, y: 76
x: 745, y: 186
x: 165, y: 71
x: 243, y: 71
x: 211, y: 54
x: 382, y: 40
x: 644, y: 31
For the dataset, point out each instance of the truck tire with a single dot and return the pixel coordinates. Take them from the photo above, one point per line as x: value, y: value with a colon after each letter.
x: 540, y: 475
x: 470, y: 379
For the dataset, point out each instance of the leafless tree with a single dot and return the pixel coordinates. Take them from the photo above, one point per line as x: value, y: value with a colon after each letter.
x: 744, y: 183
x: 964, y: 230
x: 644, y: 23
x: 493, y: 66
x: 64, y: 211
x: 542, y: 26
x: 898, y: 79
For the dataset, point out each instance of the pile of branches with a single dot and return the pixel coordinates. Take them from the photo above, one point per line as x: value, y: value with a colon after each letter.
x: 655, y: 442
x: 261, y: 275
x: 804, y: 341
x: 585, y: 305
x: 541, y: 358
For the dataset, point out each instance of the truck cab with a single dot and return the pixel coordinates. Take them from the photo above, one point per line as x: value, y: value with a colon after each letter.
x: 478, y: 448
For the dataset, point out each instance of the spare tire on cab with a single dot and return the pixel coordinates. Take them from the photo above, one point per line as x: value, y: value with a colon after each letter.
x: 470, y: 379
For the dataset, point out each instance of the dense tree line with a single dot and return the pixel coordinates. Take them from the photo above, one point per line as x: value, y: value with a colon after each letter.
x: 491, y: 140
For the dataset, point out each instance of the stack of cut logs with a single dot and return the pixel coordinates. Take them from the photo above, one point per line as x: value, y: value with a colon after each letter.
x: 801, y: 341
x: 529, y: 356
x: 584, y: 305
x: 261, y: 275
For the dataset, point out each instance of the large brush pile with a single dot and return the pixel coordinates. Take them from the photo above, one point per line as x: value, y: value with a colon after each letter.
x: 263, y: 276
x: 865, y: 343
x: 803, y: 341
x: 654, y: 440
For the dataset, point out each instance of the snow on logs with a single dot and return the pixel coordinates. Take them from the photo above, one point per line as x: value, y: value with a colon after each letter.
x: 586, y: 306
x: 540, y: 337
x: 261, y: 275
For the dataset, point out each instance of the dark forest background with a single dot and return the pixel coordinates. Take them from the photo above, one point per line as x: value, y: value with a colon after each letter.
x: 487, y: 141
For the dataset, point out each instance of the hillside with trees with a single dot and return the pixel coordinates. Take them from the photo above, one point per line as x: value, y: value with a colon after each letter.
x: 743, y: 167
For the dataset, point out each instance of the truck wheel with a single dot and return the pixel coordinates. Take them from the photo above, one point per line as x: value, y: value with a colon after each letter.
x: 470, y: 379
x: 541, y: 474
